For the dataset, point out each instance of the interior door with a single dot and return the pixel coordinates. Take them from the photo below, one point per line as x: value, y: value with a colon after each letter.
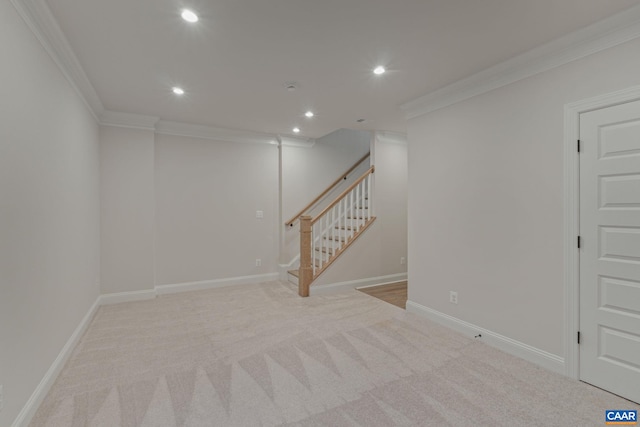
x: 610, y: 249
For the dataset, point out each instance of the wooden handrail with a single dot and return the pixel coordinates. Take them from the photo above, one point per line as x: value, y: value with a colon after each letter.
x: 324, y: 193
x: 344, y: 193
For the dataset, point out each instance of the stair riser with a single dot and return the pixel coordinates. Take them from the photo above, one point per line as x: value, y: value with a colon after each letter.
x: 293, y: 279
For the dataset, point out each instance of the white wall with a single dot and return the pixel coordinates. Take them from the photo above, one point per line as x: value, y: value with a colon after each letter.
x: 308, y: 171
x: 127, y: 209
x: 207, y: 195
x: 486, y: 199
x: 49, y: 212
x: 377, y: 252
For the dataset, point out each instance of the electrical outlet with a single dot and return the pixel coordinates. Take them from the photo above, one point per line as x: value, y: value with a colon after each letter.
x: 258, y: 262
x: 259, y: 214
x: 403, y: 260
x: 453, y: 297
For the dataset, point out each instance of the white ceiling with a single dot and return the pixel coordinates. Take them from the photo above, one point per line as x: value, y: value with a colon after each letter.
x: 235, y: 61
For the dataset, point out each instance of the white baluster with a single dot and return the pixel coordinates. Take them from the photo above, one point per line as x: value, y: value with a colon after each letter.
x: 340, y: 217
x: 359, y: 203
x: 351, y: 215
x: 313, y: 248
x: 324, y: 237
x: 368, y: 197
x: 333, y: 229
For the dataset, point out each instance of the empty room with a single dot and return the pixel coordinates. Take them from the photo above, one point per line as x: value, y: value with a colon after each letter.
x: 329, y: 213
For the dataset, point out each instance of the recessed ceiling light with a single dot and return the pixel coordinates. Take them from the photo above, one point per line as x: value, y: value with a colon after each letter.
x: 189, y: 15
x: 177, y: 90
x: 379, y: 70
x: 296, y: 130
x: 309, y: 114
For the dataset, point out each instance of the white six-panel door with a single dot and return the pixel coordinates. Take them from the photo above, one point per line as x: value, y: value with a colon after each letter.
x: 610, y: 249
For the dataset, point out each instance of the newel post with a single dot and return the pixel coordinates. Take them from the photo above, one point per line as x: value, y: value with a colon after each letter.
x: 305, y: 273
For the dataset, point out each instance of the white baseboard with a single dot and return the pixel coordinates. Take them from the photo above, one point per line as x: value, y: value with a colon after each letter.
x: 29, y: 409
x: 547, y: 360
x: 218, y: 283
x: 117, y: 298
x: 359, y: 283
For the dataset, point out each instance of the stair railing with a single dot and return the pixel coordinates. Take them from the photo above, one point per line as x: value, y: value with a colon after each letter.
x: 333, y: 185
x: 326, y: 236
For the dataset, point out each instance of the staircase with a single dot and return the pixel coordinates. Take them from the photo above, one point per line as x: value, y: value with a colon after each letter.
x: 324, y: 237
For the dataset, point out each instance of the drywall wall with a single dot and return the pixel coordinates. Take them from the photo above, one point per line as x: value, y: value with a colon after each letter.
x: 307, y: 171
x: 49, y: 212
x: 378, y: 252
x: 207, y: 194
x: 486, y: 199
x: 127, y: 209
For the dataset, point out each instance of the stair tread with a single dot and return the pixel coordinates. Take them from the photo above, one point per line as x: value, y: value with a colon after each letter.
x: 325, y: 250
x: 294, y: 273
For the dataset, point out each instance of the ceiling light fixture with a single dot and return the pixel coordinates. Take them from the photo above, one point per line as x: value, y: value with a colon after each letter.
x: 296, y: 130
x: 177, y: 90
x: 189, y: 16
x: 379, y: 70
x: 309, y: 114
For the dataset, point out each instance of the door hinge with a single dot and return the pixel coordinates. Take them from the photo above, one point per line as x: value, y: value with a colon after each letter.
x: 579, y: 242
x: 578, y: 146
x: 578, y: 337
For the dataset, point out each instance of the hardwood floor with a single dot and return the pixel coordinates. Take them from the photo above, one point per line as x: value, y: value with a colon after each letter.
x: 393, y: 293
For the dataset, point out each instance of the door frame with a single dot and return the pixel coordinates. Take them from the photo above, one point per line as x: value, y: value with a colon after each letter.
x: 572, y: 113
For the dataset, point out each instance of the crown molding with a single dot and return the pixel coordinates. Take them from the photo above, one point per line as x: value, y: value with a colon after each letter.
x: 290, y: 141
x: 127, y: 120
x: 38, y: 17
x: 166, y: 127
x: 604, y: 34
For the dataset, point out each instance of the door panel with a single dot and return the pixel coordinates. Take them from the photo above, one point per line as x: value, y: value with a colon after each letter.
x: 610, y: 252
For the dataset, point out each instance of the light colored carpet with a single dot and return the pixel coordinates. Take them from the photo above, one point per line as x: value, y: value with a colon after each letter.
x: 258, y: 355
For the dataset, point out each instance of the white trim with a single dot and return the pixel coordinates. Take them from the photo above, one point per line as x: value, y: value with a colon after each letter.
x: 166, y: 127
x: 290, y: 141
x: 391, y: 137
x: 218, y: 283
x: 607, y: 33
x: 120, y: 297
x: 375, y: 285
x: 292, y: 279
x: 127, y: 120
x: 283, y: 269
x: 355, y: 284
x: 516, y: 348
x: 572, y: 216
x: 38, y: 395
x: 38, y: 17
